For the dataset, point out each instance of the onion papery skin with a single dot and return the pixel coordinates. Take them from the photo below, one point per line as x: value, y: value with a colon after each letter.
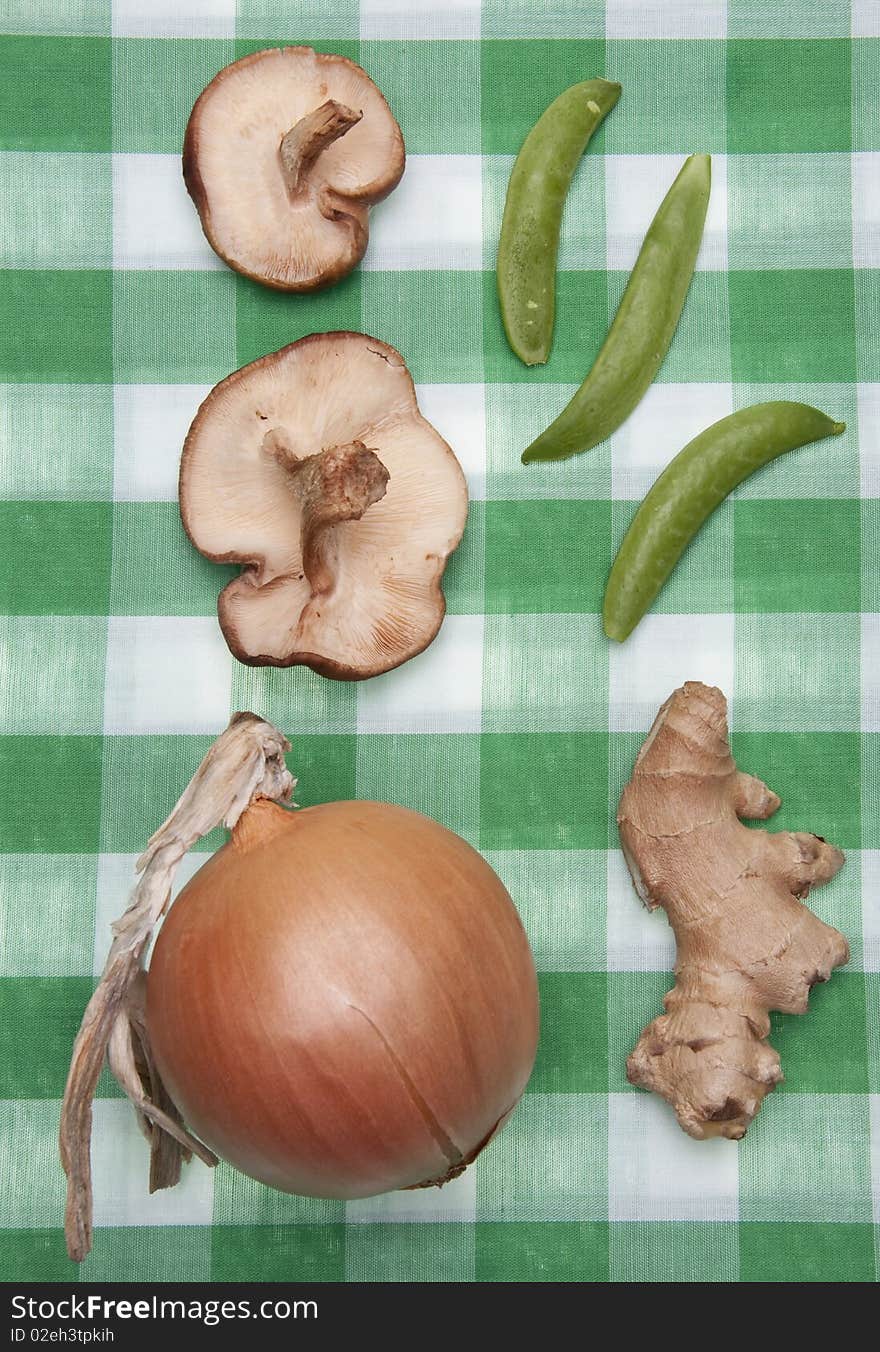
x: 343, y: 1001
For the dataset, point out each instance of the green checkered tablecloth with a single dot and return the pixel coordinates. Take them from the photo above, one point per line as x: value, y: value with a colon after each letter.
x: 519, y: 725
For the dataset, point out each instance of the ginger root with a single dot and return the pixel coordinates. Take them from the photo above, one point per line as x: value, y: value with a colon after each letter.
x: 746, y: 944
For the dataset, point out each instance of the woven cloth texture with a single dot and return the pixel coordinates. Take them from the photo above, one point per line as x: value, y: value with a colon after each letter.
x: 519, y: 725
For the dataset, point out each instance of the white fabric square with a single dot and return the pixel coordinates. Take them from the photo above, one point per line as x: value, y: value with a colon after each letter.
x: 870, y: 673
x: 121, y: 1171
x: 420, y: 19
x: 870, y: 860
x: 155, y: 224
x: 174, y: 18
x: 432, y: 220
x: 866, y: 209
x: 662, y: 653
x: 458, y: 412
x: 657, y: 1173
x: 635, y: 185
x: 455, y: 1201
x: 666, y: 419
x: 441, y: 690
x: 866, y: 24
x: 166, y: 674
x: 665, y: 18
x: 150, y: 423
x: 868, y: 400
x: 638, y: 940
x: 116, y: 882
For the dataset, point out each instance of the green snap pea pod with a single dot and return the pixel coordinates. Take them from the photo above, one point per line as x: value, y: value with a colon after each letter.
x: 644, y: 324
x: 536, y: 194
x: 689, y: 490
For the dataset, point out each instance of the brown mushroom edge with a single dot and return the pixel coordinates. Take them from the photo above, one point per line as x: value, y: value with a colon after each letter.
x: 349, y: 208
x: 253, y: 562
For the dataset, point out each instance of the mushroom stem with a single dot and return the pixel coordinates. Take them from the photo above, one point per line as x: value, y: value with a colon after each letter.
x: 337, y: 485
x: 305, y: 141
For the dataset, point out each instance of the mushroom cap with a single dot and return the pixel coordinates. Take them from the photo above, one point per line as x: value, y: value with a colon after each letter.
x: 232, y: 167
x: 238, y: 504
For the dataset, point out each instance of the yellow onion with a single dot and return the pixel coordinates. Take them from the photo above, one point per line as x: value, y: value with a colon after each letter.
x: 343, y: 1001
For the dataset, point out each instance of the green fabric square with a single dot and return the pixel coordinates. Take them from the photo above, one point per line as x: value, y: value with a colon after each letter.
x: 521, y: 77
x: 563, y: 567
x: 277, y: 1253
x: 433, y: 89
x: 582, y: 319
x: 242, y: 1200
x: 673, y: 1251
x: 515, y: 414
x: 775, y: 103
x: 145, y: 1253
x: 759, y: 18
x: 673, y: 96
x: 43, y: 1012
x: 301, y: 20
x: 544, y: 673
x: 156, y: 81
x: 702, y: 581
x: 797, y: 671
x: 780, y: 214
x: 41, y: 417
x: 32, y: 1184
x: 55, y: 93
x: 865, y: 109
x: 797, y: 555
x: 634, y: 1000
x: 173, y: 328
x: 808, y: 1159
x: 35, y: 1256
x: 806, y: 1253
x: 52, y: 673
x: 56, y: 803
x: 401, y: 1252
x: 297, y: 701
x: 573, y: 1049
x: 550, y: 1163
x: 463, y: 579
x: 816, y: 774
x: 543, y: 791
x: 434, y: 319
x: 55, y: 557
x: 553, y: 1251
x: 57, y: 326
x: 267, y: 320
x: 326, y: 767
x: 56, y: 210
x: 792, y: 324
x: 867, y: 307
x: 156, y: 569
x: 61, y: 889
x: 560, y: 896
x: 430, y: 773
x: 825, y: 1052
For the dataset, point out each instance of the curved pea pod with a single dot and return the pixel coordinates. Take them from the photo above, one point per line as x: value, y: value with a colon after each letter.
x: 646, y: 319
x: 536, y: 193
x: 689, y: 490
